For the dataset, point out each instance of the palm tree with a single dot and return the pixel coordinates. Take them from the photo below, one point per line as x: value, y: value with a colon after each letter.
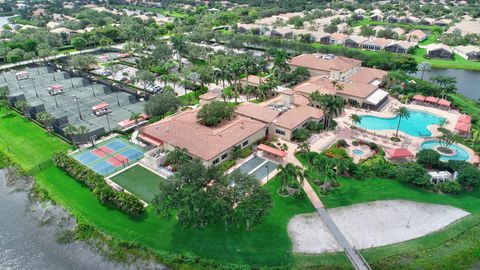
x: 70, y: 131
x: 401, y: 113
x: 304, y: 147
x: 83, y: 130
x: 330, y: 176
x: 23, y: 106
x: 46, y: 119
x: 289, y: 171
x: 355, y: 119
x: 236, y: 151
x: 337, y: 85
x: 135, y: 117
x: 475, y: 136
x: 331, y: 105
x: 424, y: 66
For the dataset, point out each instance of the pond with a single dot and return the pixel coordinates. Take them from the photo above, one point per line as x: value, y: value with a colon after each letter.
x: 467, y: 80
x: 4, y: 20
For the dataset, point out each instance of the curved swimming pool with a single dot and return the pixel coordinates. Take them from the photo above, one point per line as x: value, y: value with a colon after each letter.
x: 460, y: 153
x: 416, y: 125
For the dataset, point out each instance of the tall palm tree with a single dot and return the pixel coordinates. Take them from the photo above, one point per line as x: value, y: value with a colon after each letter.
x: 289, y: 171
x: 83, y: 130
x: 71, y: 131
x: 402, y: 113
x: 475, y: 136
x: 304, y: 147
x: 23, y: 106
x: 331, y: 105
x: 46, y: 119
x: 330, y: 176
x: 424, y: 66
x: 355, y: 119
x: 135, y: 117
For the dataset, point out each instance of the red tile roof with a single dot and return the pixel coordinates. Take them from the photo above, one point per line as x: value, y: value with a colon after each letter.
x: 465, y: 118
x: 431, y: 99
x: 271, y: 150
x: 419, y: 98
x: 398, y: 152
x: 463, y: 127
x: 100, y: 106
x: 444, y: 102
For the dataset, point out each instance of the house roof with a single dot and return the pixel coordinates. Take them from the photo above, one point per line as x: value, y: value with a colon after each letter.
x: 208, y: 96
x: 357, y: 39
x: 463, y: 127
x: 404, y: 44
x: 254, y: 79
x: 468, y: 49
x: 100, y: 106
x: 182, y: 130
x: 465, y: 118
x: 257, y: 112
x: 382, y: 42
x: 324, y: 86
x: 419, y: 98
x: 367, y: 75
x: 417, y: 34
x: 444, y: 102
x: 324, y: 62
x: 398, y: 152
x: 434, y: 47
x: 432, y: 99
x: 296, y: 116
x: 272, y: 150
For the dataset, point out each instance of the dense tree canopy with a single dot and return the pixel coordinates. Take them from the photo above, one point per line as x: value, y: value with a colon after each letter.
x: 202, y: 196
x: 215, y: 112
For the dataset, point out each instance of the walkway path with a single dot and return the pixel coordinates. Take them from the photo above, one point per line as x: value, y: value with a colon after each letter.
x: 357, y: 260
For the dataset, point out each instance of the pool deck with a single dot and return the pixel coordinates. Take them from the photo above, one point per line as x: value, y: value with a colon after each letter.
x: 381, y: 137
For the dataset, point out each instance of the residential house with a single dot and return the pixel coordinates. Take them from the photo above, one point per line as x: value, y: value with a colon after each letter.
x: 252, y: 80
x: 399, y: 31
x: 426, y: 21
x: 443, y: 22
x: 337, y: 38
x: 377, y: 17
x: 416, y: 35
x: 439, y: 51
x: 355, y: 41
x: 468, y: 52
x: 399, y: 46
x: 376, y: 44
x: 392, y: 19
x: 409, y: 20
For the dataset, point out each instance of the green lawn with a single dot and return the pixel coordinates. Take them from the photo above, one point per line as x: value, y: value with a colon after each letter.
x: 140, y: 182
x: 26, y: 143
x: 401, y: 25
x: 457, y: 62
x: 268, y: 244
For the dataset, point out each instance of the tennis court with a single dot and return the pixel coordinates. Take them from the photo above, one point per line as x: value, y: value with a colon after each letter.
x: 110, y: 156
x: 139, y: 181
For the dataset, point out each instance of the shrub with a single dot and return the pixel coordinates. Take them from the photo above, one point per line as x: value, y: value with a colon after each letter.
x: 300, y: 135
x: 94, y: 181
x: 413, y: 173
x: 428, y: 158
x: 342, y: 143
x: 452, y: 187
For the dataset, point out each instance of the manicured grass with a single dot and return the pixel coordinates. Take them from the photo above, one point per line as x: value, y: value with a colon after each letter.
x: 458, y: 62
x: 266, y: 245
x: 26, y: 143
x: 140, y: 182
x: 402, y: 25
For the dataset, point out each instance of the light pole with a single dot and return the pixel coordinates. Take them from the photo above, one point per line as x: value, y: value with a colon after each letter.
x: 78, y: 107
x: 93, y: 89
x: 268, y: 171
x: 118, y: 101
x: 108, y: 121
x: 71, y: 79
x: 55, y: 98
x: 34, y: 87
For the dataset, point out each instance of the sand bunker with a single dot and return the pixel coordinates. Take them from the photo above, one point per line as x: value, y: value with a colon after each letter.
x: 372, y: 224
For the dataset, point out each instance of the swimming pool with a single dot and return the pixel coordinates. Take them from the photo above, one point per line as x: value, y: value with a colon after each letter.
x: 460, y: 153
x: 416, y: 125
x: 358, y: 152
x: 258, y: 167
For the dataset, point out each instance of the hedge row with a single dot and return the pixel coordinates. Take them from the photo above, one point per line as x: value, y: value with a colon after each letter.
x: 123, y: 201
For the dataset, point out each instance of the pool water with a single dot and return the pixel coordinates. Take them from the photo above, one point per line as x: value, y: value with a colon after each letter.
x: 460, y: 154
x: 416, y: 125
x: 258, y: 167
x: 357, y: 152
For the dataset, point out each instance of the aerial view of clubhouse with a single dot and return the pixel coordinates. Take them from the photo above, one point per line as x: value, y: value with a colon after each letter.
x: 293, y: 134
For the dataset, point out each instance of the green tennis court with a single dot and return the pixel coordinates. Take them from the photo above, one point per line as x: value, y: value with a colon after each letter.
x: 140, y: 182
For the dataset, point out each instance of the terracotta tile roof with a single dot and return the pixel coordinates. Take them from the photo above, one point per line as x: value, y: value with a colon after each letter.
x: 465, y: 118
x: 324, y: 86
x: 416, y: 34
x: 271, y: 150
x: 434, y: 47
x: 257, y: 112
x: 367, y: 75
x: 208, y: 96
x: 324, y: 62
x: 398, y: 152
x: 463, y: 127
x: 300, y: 100
x: 296, y: 116
x: 253, y: 79
x: 182, y: 130
x: 419, y: 98
x: 382, y: 42
x: 338, y: 36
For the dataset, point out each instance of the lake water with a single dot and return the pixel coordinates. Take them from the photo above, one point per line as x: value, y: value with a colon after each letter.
x: 24, y: 244
x: 4, y: 20
x: 468, y: 82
